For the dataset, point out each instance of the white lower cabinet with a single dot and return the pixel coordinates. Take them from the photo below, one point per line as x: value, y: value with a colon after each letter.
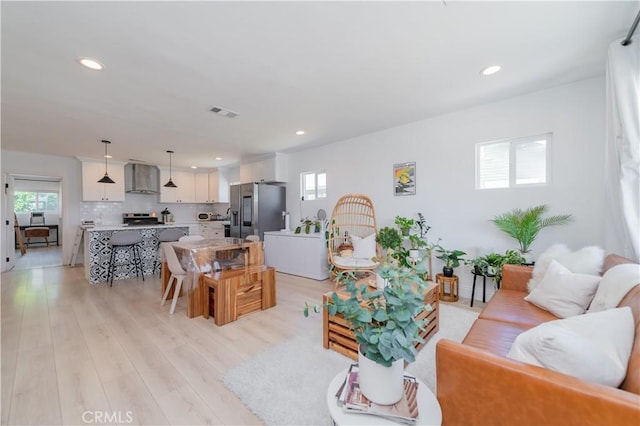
x: 212, y: 230
x: 297, y: 254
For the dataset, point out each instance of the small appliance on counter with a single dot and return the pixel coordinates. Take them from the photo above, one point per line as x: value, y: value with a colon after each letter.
x: 139, y: 219
x: 166, y: 214
x: 204, y: 216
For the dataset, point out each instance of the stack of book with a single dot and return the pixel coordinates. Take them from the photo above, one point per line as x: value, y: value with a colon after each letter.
x: 351, y: 399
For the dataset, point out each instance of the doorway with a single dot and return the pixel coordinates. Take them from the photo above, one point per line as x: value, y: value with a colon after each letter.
x: 40, y: 197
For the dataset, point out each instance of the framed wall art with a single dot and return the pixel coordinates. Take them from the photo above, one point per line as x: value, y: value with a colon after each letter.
x: 404, y: 179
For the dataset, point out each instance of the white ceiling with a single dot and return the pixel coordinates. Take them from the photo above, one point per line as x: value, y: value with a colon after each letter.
x: 335, y: 69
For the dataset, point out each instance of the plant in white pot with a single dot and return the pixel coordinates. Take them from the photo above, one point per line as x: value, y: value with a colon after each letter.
x: 386, y: 326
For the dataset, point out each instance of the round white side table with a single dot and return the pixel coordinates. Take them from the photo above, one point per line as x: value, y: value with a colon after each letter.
x: 428, y: 407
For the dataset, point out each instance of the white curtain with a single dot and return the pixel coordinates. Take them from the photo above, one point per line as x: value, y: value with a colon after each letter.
x: 622, y: 159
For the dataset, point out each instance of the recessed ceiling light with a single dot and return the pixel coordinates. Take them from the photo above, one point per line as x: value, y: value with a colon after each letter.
x: 91, y: 63
x: 108, y: 156
x: 218, y: 158
x: 491, y: 69
x: 300, y: 132
x: 194, y: 167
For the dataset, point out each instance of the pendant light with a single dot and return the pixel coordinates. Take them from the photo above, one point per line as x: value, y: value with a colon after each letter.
x: 170, y: 184
x: 106, y: 178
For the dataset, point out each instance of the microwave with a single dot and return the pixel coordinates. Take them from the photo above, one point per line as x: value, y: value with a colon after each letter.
x: 204, y: 216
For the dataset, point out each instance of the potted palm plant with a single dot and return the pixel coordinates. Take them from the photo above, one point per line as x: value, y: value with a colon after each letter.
x: 386, y: 326
x: 524, y: 225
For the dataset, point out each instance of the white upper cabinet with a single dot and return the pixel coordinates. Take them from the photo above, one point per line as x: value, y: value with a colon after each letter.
x: 186, y: 186
x: 203, y: 189
x: 92, y: 190
x: 218, y: 186
x: 270, y: 169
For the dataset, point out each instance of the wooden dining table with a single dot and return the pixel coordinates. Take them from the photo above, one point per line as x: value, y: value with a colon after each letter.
x: 197, y: 258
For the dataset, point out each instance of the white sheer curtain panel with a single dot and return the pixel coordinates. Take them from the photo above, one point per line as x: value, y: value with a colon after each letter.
x: 622, y: 159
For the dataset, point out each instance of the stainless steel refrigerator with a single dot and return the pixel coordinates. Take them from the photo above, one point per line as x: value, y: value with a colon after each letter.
x: 256, y: 208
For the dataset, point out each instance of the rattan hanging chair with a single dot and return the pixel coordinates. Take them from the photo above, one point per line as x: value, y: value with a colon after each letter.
x: 353, y: 223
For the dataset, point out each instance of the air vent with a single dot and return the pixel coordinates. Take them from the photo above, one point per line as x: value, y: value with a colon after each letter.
x: 133, y: 160
x: 224, y: 112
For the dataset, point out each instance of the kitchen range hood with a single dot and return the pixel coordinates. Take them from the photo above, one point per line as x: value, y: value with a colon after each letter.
x: 141, y: 179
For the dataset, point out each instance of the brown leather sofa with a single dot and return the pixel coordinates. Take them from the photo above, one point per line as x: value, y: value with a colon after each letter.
x: 478, y: 385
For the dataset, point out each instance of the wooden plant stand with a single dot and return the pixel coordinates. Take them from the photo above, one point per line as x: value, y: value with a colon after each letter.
x: 338, y: 336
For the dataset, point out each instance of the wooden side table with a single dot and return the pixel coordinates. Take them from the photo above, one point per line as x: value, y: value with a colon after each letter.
x: 452, y: 294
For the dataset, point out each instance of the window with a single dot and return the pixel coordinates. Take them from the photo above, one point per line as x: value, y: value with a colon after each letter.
x: 513, y: 162
x: 313, y: 185
x: 35, y: 201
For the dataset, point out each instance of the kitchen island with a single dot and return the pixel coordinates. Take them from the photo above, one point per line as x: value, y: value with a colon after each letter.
x: 97, y: 250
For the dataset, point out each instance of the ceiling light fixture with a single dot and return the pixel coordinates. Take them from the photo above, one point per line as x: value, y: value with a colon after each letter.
x: 491, y: 69
x: 106, y: 178
x: 300, y: 132
x: 91, y: 63
x: 170, y: 183
x: 194, y: 167
x: 224, y: 112
x: 218, y: 158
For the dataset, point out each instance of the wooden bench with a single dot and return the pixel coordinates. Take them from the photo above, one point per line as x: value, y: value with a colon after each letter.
x: 238, y: 292
x: 37, y: 232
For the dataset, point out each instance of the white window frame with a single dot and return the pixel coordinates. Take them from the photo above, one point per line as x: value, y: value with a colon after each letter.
x: 315, y: 175
x: 513, y: 143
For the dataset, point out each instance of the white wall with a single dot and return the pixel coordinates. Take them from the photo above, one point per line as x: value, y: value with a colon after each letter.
x: 65, y: 168
x: 74, y: 210
x: 443, y: 148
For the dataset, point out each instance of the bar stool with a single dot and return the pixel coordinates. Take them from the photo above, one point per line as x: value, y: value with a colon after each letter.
x: 477, y: 274
x: 165, y: 236
x: 129, y: 241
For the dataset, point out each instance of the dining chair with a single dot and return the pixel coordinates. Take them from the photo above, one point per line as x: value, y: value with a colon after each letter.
x: 191, y: 238
x: 178, y: 275
x: 165, y: 236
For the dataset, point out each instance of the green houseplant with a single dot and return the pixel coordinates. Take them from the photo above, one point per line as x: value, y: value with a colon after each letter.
x: 491, y: 264
x: 404, y: 224
x: 384, y: 321
x: 451, y: 259
x: 524, y: 225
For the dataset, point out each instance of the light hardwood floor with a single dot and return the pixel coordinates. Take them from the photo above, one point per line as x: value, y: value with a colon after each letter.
x: 70, y: 349
x: 38, y: 257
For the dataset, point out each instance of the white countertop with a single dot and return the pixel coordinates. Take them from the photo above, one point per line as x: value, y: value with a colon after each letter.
x: 293, y: 234
x: 118, y: 227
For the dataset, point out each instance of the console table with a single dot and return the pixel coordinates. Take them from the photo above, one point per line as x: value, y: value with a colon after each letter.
x: 337, y: 335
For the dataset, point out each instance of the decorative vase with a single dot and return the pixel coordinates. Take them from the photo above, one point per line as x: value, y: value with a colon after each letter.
x: 447, y: 271
x: 381, y: 283
x: 380, y: 384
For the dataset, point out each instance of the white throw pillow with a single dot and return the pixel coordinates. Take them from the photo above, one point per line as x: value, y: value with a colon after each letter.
x: 614, y: 285
x: 587, y: 260
x: 364, y: 248
x: 594, y: 347
x: 564, y: 293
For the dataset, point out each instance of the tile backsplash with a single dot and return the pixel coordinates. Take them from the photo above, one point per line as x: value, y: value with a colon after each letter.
x: 110, y: 213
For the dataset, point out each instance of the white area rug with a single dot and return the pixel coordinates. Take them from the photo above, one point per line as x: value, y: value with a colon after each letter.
x: 287, y: 384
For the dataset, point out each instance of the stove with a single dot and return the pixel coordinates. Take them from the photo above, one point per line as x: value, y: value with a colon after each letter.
x: 139, y: 219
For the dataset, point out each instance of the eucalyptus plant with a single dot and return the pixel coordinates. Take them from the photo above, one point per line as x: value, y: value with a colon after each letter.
x: 385, y: 321
x: 524, y: 225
